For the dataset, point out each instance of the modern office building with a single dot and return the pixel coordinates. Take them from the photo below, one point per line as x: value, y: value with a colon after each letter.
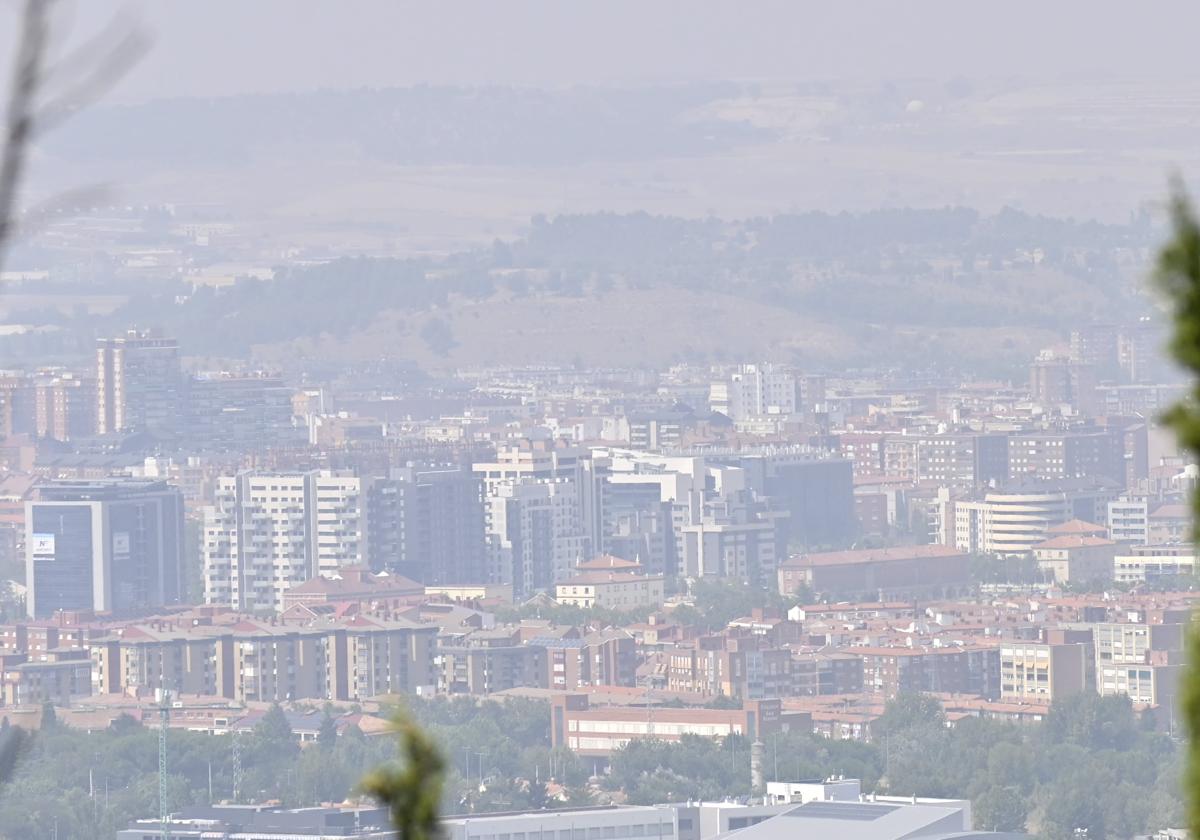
x: 268, y: 531
x: 816, y: 493
x: 228, y: 412
x: 138, y: 383
x: 110, y: 545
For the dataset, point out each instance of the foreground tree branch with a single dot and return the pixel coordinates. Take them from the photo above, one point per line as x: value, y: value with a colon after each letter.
x: 1178, y: 275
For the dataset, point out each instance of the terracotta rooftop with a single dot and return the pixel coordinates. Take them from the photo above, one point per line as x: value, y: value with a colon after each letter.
x: 1077, y: 527
x: 871, y: 555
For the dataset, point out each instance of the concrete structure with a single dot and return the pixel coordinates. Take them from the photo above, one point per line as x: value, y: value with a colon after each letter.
x: 111, y: 546
x: 1074, y: 454
x: 605, y: 657
x: 535, y: 534
x: 736, y: 548
x: 1055, y: 381
x: 743, y: 668
x: 267, y: 532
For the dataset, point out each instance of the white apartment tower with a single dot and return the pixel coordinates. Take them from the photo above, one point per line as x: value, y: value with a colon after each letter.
x: 756, y: 391
x: 267, y: 532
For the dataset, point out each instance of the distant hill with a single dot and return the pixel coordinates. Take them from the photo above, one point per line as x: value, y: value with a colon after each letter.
x: 947, y: 287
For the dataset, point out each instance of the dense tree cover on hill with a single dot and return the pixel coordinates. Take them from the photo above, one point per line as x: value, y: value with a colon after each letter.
x: 913, y: 267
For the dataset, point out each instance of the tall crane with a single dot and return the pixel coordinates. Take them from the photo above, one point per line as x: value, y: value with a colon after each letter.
x: 165, y: 705
x: 164, y: 719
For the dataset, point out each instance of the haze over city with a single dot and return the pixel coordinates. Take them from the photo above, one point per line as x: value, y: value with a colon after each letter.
x: 582, y: 421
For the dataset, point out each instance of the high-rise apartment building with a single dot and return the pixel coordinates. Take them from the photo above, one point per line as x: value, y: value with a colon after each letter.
x: 756, y: 391
x: 535, y: 496
x: 638, y: 525
x: 64, y: 406
x: 110, y: 546
x: 268, y: 531
x: 535, y: 534
x: 1058, y: 381
x: 138, y: 383
x: 1098, y: 345
x: 427, y: 523
x: 16, y: 404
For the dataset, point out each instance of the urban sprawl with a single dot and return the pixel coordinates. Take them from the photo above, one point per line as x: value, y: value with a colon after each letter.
x: 739, y: 554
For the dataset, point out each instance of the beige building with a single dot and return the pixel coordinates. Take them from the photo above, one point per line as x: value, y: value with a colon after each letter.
x: 1076, y: 559
x: 343, y: 659
x: 1038, y: 672
x: 610, y: 590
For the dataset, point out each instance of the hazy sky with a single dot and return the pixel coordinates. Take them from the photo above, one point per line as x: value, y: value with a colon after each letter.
x: 217, y: 47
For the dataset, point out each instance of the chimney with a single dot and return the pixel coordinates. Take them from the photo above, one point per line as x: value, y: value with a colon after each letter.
x: 757, y: 785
